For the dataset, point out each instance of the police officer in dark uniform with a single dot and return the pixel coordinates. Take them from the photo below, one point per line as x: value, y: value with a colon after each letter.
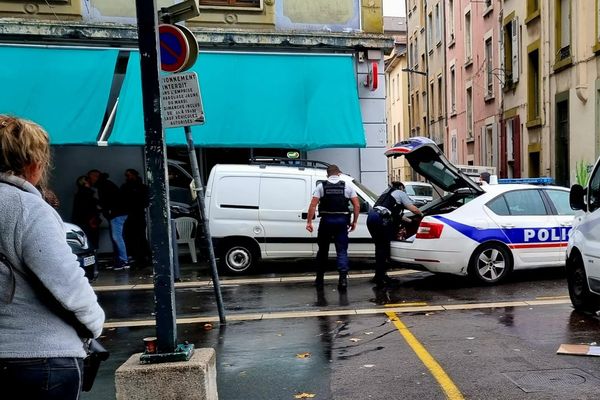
x: 333, y: 196
x: 383, y: 222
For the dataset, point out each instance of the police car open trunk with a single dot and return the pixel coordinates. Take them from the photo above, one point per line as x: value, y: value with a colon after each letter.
x: 426, y: 158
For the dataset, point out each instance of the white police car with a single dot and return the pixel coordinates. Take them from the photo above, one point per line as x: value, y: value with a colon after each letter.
x: 481, y: 231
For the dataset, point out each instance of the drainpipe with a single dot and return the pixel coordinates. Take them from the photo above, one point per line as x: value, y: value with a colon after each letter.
x: 581, y: 67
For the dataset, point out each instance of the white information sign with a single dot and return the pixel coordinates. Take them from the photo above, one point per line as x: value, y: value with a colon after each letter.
x: 181, y: 100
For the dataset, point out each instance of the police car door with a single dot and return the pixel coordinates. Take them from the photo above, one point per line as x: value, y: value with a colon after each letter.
x: 283, y: 203
x: 564, y: 214
x: 531, y: 232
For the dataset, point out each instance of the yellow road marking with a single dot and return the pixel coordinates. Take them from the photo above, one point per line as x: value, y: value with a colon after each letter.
x: 452, y: 392
x: 405, y: 304
x: 552, y: 298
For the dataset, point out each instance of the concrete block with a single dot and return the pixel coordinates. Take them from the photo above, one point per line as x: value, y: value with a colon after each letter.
x: 195, y: 379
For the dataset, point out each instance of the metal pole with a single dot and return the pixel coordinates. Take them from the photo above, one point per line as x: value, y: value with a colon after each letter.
x: 201, y: 206
x: 156, y: 174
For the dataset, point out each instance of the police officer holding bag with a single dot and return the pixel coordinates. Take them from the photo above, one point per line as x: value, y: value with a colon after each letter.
x: 333, y: 197
x: 383, y: 222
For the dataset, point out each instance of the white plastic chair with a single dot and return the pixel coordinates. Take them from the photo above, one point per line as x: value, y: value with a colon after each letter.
x: 186, y: 233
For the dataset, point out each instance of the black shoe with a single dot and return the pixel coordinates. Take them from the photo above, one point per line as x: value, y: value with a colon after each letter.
x: 385, y: 281
x: 320, y: 280
x: 343, y: 282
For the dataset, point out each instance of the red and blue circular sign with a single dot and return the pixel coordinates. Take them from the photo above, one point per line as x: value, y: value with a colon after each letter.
x: 174, y: 48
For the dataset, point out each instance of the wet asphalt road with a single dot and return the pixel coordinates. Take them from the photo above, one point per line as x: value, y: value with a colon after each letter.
x: 487, y: 351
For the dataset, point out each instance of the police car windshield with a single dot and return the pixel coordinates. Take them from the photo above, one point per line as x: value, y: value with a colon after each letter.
x: 365, y: 190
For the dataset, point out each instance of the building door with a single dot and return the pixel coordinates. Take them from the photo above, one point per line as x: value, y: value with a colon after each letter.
x: 562, y: 144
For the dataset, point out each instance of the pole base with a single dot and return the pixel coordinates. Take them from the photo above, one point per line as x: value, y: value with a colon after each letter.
x: 183, y: 352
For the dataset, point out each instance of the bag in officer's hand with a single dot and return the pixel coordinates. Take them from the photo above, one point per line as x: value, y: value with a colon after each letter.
x: 96, y: 353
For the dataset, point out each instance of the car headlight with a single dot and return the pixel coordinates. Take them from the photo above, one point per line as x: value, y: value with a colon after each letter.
x: 77, y: 238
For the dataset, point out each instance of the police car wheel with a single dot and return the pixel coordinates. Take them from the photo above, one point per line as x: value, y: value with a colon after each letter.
x: 490, y: 264
x: 581, y: 297
x: 237, y: 258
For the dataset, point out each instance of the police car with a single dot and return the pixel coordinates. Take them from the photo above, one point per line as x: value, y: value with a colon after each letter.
x: 483, y: 231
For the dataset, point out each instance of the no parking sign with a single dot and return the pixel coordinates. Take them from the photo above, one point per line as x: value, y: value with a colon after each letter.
x: 178, y: 48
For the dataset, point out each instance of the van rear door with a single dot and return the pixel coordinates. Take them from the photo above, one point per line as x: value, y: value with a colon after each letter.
x: 282, y: 212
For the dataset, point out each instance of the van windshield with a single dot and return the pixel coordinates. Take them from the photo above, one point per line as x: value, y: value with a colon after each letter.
x: 365, y: 190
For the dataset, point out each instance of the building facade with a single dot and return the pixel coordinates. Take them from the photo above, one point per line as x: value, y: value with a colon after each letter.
x: 396, y: 96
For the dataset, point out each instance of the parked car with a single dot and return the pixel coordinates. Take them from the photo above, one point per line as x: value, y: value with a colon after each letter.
x: 259, y: 211
x: 420, y: 193
x: 86, y: 255
x: 583, y: 250
x: 486, y: 231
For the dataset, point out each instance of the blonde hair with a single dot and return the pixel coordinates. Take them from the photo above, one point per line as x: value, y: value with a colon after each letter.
x: 22, y: 143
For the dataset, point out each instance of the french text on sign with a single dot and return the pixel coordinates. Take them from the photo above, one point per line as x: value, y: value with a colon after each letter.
x: 181, y: 100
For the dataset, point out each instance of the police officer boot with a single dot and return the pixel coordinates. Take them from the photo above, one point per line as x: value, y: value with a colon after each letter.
x: 343, y: 281
x: 320, y: 280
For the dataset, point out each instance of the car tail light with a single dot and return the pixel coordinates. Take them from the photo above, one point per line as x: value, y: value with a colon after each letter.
x: 429, y: 230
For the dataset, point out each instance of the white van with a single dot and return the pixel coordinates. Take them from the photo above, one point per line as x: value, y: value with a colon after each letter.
x: 259, y: 211
x: 583, y: 249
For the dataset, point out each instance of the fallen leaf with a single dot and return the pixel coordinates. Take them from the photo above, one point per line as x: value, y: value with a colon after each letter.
x: 303, y: 355
x: 304, y: 395
x: 207, y: 327
x: 354, y: 340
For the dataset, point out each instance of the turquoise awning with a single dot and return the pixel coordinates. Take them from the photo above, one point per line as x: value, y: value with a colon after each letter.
x: 65, y: 90
x: 259, y: 100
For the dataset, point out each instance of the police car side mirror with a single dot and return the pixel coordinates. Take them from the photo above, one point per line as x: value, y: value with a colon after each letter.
x: 576, y: 198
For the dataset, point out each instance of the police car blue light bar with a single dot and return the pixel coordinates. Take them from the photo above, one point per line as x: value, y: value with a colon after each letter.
x: 530, y: 181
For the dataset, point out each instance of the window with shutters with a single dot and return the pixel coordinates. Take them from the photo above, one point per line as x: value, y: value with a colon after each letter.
x: 469, y: 113
x: 468, y: 39
x: 533, y: 85
x: 251, y: 4
x: 562, y: 34
x: 489, y: 69
x: 450, y: 22
x: 453, y: 90
x: 510, y: 51
x: 533, y: 10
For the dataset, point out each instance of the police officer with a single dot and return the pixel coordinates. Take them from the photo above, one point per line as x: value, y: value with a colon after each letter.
x: 383, y: 222
x: 332, y: 196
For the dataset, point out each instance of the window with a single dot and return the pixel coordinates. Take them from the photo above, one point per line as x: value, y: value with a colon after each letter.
x: 533, y: 7
x: 451, y: 20
x: 518, y: 202
x: 489, y: 145
x: 510, y: 42
x: 597, y: 18
x: 563, y: 30
x: 498, y: 206
x: 393, y: 90
x: 452, y: 89
x: 256, y: 4
x: 469, y: 113
x: 438, y: 24
x: 431, y: 102
x: 468, y: 39
x: 560, y: 200
x: 490, y: 67
x: 594, y: 191
x: 429, y: 31
x: 399, y: 90
x: 440, y: 97
x: 533, y: 85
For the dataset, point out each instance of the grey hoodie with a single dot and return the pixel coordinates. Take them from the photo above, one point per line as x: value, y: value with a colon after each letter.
x: 32, y: 236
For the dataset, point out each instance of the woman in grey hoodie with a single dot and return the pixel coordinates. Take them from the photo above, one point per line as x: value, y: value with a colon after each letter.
x: 41, y: 351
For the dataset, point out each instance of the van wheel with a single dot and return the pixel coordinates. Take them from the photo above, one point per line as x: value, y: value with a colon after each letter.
x: 238, y: 258
x: 581, y: 297
x: 490, y: 264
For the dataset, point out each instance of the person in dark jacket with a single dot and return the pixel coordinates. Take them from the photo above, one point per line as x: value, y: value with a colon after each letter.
x: 86, y: 211
x: 332, y: 197
x: 135, y: 192
x: 114, y: 210
x: 382, y: 222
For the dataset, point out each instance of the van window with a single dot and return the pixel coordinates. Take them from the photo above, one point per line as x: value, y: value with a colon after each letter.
x: 594, y: 186
x: 237, y: 192
x: 284, y: 194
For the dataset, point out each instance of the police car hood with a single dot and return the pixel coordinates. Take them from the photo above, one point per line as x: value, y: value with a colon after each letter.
x: 429, y: 161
